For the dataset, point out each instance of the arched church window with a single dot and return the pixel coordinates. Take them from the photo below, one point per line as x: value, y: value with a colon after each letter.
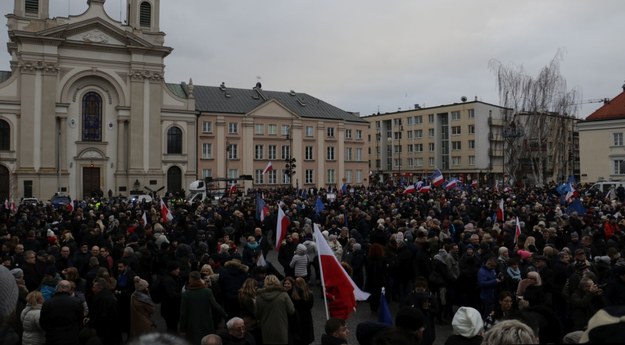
x: 92, y: 117
x: 174, y: 140
x: 5, y: 136
x: 145, y: 14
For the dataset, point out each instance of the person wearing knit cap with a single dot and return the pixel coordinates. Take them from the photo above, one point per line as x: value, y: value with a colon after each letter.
x: 8, y: 302
x: 141, y: 309
x: 467, y: 325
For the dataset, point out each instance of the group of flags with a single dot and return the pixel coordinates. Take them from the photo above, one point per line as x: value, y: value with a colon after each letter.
x: 10, y: 205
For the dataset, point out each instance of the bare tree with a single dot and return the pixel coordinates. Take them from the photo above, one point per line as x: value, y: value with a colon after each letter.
x: 540, y: 110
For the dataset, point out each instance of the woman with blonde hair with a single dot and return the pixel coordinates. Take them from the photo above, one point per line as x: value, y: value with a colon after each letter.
x: 510, y: 332
x: 273, y: 306
x: 531, y: 290
x: 33, y: 334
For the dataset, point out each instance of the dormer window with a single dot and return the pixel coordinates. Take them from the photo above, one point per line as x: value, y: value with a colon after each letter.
x: 145, y: 14
x: 31, y: 7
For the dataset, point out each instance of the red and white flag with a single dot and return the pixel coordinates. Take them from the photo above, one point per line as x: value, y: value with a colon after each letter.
x: 425, y: 189
x: 281, y: 227
x: 500, y: 215
x: 474, y: 184
x: 268, y: 168
x: 144, y: 217
x: 166, y: 215
x: 409, y: 189
x: 13, y: 207
x: 233, y: 189
x: 334, y: 277
x: 517, y: 230
x: 70, y: 205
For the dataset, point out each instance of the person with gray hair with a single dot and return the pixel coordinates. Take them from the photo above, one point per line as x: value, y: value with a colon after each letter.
x: 61, y: 316
x: 235, y: 333
x: 510, y: 332
x: 211, y: 339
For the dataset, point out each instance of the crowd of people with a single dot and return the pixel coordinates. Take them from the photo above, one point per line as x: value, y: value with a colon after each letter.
x: 479, y: 259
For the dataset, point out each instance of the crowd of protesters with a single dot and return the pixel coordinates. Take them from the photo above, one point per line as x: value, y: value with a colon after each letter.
x: 94, y: 273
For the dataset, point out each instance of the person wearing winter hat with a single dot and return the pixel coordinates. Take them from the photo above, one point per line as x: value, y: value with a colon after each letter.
x: 605, y: 327
x: 467, y: 325
x: 141, y: 309
x: 299, y: 262
x: 8, y: 302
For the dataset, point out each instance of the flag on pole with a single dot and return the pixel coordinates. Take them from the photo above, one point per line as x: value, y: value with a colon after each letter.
x: 437, y: 178
x: 335, y: 280
x: 517, y: 230
x: 144, y: 217
x: 384, y: 313
x: 425, y: 189
x: 262, y: 210
x: 409, y: 189
x: 70, y: 205
x: 281, y: 227
x: 268, y: 168
x: 319, y: 206
x: 453, y: 183
x: 500, y: 214
x: 166, y: 215
x: 232, y: 189
x: 13, y: 207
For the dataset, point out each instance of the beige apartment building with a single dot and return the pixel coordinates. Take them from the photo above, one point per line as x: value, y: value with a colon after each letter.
x: 240, y: 131
x: 464, y: 140
x: 602, y: 148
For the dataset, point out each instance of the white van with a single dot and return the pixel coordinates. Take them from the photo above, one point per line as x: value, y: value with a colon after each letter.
x: 605, y: 186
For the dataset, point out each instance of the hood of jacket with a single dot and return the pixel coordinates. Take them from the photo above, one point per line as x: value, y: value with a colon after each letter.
x: 269, y: 294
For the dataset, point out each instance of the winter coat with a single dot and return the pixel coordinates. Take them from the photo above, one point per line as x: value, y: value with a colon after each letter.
x: 61, y: 318
x: 273, y: 306
x: 299, y: 262
x: 141, y: 310
x: 487, y: 281
x: 104, y: 317
x: 305, y: 332
x: 33, y: 333
x: 196, y: 312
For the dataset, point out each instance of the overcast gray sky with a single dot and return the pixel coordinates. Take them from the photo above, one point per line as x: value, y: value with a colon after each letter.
x: 382, y: 55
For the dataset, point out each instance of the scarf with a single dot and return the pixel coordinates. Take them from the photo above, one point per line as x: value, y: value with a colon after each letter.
x: 514, y: 274
x: 142, y: 297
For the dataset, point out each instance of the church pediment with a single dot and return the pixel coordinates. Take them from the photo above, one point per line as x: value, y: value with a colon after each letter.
x: 96, y: 31
x: 272, y: 109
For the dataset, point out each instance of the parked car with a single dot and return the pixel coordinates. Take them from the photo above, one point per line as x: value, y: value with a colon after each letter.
x: 29, y: 201
x: 60, y: 200
x: 138, y: 196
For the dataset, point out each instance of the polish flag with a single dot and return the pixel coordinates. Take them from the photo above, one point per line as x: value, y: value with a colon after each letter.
x: 13, y: 207
x: 233, y: 189
x: 70, y: 205
x: 334, y: 278
x: 474, y: 184
x: 500, y: 215
x: 268, y: 168
x: 166, y: 215
x: 144, y: 217
x: 517, y: 230
x: 281, y: 227
x: 409, y: 189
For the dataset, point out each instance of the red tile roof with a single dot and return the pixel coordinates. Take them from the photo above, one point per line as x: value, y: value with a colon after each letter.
x: 614, y: 109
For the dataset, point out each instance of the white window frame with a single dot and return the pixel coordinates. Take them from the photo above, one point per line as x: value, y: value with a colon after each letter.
x: 309, y: 176
x: 330, y: 153
x: 309, y: 153
x: 233, y: 128
x: 272, y: 129
x: 310, y: 131
x: 207, y: 127
x: 271, y: 151
x: 207, y: 151
x: 259, y: 151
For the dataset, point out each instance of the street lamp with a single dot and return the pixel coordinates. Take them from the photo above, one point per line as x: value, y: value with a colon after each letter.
x: 289, y: 159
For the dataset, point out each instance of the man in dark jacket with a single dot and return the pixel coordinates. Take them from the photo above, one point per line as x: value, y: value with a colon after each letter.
x: 62, y: 316
x: 170, y: 287
x: 103, y: 314
x: 336, y: 332
x: 235, y: 333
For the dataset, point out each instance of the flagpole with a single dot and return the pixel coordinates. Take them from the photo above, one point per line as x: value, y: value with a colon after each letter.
x: 323, y: 284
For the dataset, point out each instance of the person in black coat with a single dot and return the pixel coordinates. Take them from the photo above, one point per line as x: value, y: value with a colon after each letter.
x: 615, y: 288
x: 170, y: 288
x: 62, y: 316
x: 103, y: 314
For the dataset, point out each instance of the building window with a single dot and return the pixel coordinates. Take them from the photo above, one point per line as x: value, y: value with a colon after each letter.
x: 330, y: 132
x: 409, y: 134
x: 431, y: 118
x: 145, y: 14
x: 285, y: 130
x: 348, y: 154
x: 431, y: 132
x: 418, y: 147
x: 233, y: 173
x: 359, y: 154
x: 471, y: 129
x: 92, y: 117
x: 271, y: 129
x: 233, y: 151
x: 472, y: 144
x: 207, y: 127
x: 359, y: 134
x: 308, y: 153
x: 455, y: 115
x: 174, y: 140
x: 618, y: 139
x: 259, y: 176
x: 233, y: 128
x: 358, y: 176
x: 418, y: 162
x: 619, y: 167
x: 471, y: 113
x: 431, y: 147
x: 259, y: 129
x: 5, y: 136
x: 207, y: 151
x: 455, y: 160
x: 431, y: 161
x: 286, y: 152
x: 331, y: 177
x: 471, y: 160
x: 207, y: 173
x: 418, y: 120
x: 285, y: 177
x: 271, y: 152
x: 258, y: 151
x: 32, y: 7
x: 456, y: 145
x: 309, y: 131
x: 418, y: 133
x: 348, y: 176
x: 456, y: 130
x: 309, y: 176
x: 330, y: 153
x: 271, y: 177
x: 396, y: 122
x: 348, y: 133
x: 409, y: 121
